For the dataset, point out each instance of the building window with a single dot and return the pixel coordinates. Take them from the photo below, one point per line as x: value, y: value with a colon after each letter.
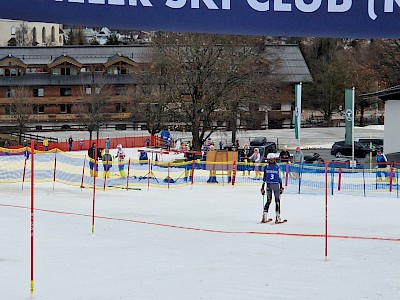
x: 65, y: 71
x: 38, y: 92
x: 10, y: 93
x: 88, y: 91
x: 38, y: 109
x: 11, y: 109
x: 65, y: 92
x: 44, y: 35
x: 34, y: 36
x: 120, y: 108
x: 53, y: 34
x: 117, y: 70
x: 65, y: 108
x: 11, y: 72
x: 13, y: 30
x: 120, y: 90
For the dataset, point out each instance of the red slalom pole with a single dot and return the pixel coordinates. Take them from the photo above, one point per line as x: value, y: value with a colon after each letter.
x: 233, y: 173
x: 32, y: 212
x: 94, y: 185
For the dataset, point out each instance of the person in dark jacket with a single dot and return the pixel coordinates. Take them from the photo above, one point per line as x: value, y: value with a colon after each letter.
x: 70, y: 141
x: 92, y: 158
x: 284, y: 155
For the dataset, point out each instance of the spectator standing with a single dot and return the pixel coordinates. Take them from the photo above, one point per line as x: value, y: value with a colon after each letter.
x: 284, y: 155
x: 381, y: 161
x: 70, y: 141
x: 178, y: 145
x: 81, y: 144
x: 147, y: 142
x: 121, y: 160
x: 46, y: 144
x: 256, y: 158
x: 107, y: 163
x: 107, y: 143
x: 245, y: 159
x: 298, y: 155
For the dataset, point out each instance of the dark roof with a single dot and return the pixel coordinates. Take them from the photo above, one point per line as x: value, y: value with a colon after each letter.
x: 291, y: 64
x: 392, y: 93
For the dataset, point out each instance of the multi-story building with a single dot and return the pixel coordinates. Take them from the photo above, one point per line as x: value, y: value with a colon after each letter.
x: 21, y: 33
x: 55, y: 81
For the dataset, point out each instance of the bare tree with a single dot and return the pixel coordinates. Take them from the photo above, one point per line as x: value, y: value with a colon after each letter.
x: 150, y: 102
x: 385, y: 61
x: 21, y: 108
x: 92, y: 108
x: 206, y: 75
x: 22, y: 35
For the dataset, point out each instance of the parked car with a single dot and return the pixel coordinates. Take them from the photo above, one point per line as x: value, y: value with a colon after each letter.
x: 374, y: 141
x: 374, y: 144
x: 264, y: 149
x: 342, y: 149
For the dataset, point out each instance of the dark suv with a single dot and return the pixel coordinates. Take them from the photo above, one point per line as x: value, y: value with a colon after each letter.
x: 342, y: 149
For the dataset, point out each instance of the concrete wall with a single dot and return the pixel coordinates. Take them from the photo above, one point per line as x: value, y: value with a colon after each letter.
x: 392, y: 122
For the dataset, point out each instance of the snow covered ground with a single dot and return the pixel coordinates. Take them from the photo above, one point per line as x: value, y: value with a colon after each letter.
x: 196, y: 243
x: 200, y: 242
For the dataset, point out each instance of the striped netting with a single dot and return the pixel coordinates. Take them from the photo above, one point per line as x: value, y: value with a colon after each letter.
x: 79, y: 170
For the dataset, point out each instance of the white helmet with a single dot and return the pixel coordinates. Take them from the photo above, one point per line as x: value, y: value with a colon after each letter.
x: 119, y: 146
x: 271, y: 156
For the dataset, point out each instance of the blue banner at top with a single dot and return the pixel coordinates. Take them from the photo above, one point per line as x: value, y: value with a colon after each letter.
x: 302, y: 18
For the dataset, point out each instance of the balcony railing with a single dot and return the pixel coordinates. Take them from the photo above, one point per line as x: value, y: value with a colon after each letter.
x: 69, y: 118
x: 67, y: 80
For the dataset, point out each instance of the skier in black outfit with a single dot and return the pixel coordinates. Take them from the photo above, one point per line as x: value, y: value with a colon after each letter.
x: 274, y: 184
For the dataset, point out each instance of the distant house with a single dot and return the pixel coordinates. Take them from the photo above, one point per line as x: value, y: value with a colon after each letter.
x: 103, y: 35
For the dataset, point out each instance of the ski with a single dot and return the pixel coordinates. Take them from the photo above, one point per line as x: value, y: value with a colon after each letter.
x: 281, y: 222
x: 268, y: 221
